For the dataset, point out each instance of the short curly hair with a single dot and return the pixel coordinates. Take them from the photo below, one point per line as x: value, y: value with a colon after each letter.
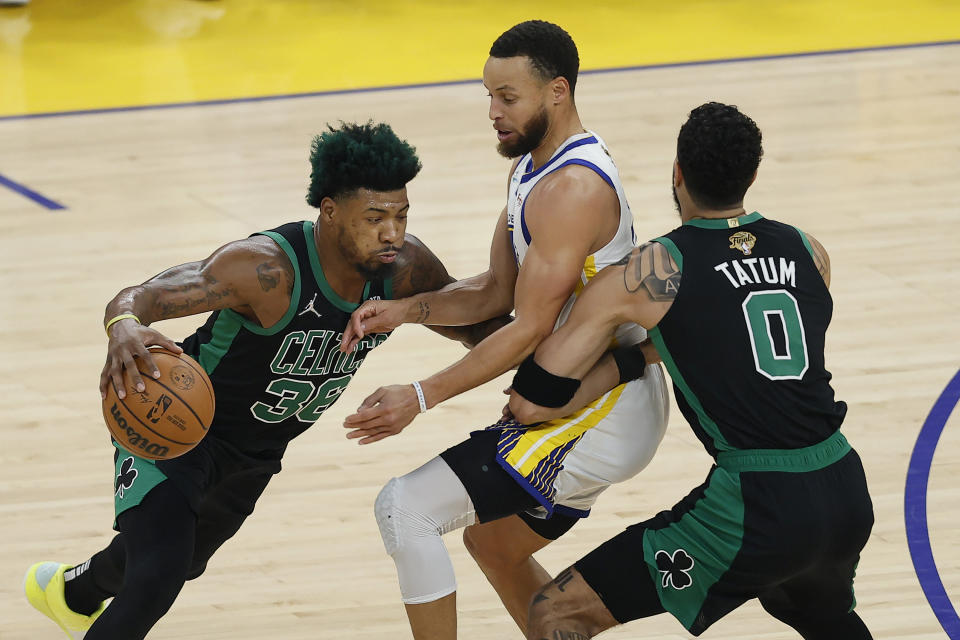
x: 551, y: 50
x: 359, y: 156
x: 718, y: 150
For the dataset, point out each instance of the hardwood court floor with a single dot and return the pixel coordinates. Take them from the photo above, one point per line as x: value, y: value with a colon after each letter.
x: 862, y: 151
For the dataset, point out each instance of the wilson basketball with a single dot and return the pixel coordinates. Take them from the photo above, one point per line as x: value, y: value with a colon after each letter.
x: 170, y: 416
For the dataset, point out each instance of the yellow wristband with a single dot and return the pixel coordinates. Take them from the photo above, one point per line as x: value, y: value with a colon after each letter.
x: 122, y: 316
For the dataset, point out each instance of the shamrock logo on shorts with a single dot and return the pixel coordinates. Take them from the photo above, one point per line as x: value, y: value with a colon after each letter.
x: 674, y: 569
x: 126, y: 476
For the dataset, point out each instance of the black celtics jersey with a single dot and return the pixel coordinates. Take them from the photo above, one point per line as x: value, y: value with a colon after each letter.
x: 272, y: 384
x: 744, y: 338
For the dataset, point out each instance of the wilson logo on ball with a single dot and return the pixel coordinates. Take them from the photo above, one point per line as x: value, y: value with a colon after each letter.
x: 134, y: 439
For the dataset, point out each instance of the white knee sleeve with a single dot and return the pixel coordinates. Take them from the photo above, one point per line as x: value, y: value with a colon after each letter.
x: 413, y: 511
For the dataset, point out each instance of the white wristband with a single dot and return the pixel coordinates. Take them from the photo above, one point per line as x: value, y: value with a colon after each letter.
x: 420, y: 398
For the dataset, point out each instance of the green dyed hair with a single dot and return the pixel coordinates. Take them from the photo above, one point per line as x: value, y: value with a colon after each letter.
x: 359, y: 156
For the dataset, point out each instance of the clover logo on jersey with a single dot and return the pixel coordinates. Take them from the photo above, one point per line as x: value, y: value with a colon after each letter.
x: 674, y: 569
x: 126, y: 477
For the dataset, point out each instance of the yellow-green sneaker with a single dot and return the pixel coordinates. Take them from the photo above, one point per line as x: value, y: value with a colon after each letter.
x: 44, y: 585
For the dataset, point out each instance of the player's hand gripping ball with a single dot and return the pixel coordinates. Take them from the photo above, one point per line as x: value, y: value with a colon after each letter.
x: 170, y: 416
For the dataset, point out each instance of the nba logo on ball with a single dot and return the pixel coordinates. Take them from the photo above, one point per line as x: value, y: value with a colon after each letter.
x: 158, y: 409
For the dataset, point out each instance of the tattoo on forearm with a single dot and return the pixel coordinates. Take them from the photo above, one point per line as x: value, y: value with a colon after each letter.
x: 208, y: 281
x: 267, y: 279
x: 650, y: 270
x: 168, y: 298
x: 190, y: 305
x: 423, y: 312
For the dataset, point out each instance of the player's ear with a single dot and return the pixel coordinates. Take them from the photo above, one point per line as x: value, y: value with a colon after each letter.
x: 678, y: 174
x: 559, y: 89
x: 328, y: 210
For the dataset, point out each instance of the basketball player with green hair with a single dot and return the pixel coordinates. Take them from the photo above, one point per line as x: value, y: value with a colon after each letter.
x: 280, y: 301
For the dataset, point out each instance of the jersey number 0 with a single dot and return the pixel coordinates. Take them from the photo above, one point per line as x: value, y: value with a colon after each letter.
x: 783, y: 358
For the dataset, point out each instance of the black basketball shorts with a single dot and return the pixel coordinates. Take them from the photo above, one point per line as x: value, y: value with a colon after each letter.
x: 781, y: 526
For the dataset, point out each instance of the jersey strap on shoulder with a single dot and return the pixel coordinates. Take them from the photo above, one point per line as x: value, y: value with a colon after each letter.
x: 806, y: 243
x: 530, y: 175
x: 672, y: 249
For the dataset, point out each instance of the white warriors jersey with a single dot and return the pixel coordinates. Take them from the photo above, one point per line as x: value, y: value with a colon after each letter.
x: 587, y: 150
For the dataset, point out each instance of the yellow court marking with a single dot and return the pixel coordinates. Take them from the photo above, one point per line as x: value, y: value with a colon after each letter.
x: 58, y: 55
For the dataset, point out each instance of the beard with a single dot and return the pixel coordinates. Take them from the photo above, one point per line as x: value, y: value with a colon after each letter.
x: 368, y: 266
x: 535, y: 130
x: 375, y: 270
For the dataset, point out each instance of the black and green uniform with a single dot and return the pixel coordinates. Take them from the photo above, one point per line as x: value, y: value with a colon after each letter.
x: 270, y: 386
x: 785, y: 510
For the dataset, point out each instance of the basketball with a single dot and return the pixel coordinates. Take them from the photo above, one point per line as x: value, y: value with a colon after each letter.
x: 170, y: 416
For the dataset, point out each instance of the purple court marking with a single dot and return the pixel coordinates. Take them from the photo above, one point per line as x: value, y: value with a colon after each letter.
x: 450, y: 83
x: 30, y: 193
x: 915, y: 508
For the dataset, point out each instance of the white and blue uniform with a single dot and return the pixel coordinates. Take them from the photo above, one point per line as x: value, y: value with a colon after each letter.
x: 563, y: 464
x: 566, y: 463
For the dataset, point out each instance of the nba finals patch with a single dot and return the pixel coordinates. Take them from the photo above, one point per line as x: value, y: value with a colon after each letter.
x: 743, y: 241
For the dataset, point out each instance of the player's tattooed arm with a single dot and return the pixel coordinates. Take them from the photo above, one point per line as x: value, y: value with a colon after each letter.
x: 253, y: 276
x: 266, y: 276
x: 419, y: 270
x: 820, y: 259
x: 640, y: 288
x: 649, y: 270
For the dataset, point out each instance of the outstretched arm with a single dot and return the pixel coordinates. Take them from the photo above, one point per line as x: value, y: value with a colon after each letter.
x: 253, y: 276
x: 640, y: 288
x: 602, y: 377
x: 449, y: 303
x: 563, y: 222
x: 419, y: 270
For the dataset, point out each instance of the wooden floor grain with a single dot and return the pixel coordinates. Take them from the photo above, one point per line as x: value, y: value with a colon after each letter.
x: 862, y: 151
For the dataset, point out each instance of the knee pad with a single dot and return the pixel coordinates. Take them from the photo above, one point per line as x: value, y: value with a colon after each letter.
x: 413, y: 512
x: 399, y: 519
x: 384, y: 509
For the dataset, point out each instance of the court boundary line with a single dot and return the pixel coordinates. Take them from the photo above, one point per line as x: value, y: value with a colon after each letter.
x: 450, y: 83
x: 29, y: 193
x: 915, y: 508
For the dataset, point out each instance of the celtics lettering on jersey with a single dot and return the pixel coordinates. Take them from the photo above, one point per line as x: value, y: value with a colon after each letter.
x: 273, y: 382
x: 309, y: 353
